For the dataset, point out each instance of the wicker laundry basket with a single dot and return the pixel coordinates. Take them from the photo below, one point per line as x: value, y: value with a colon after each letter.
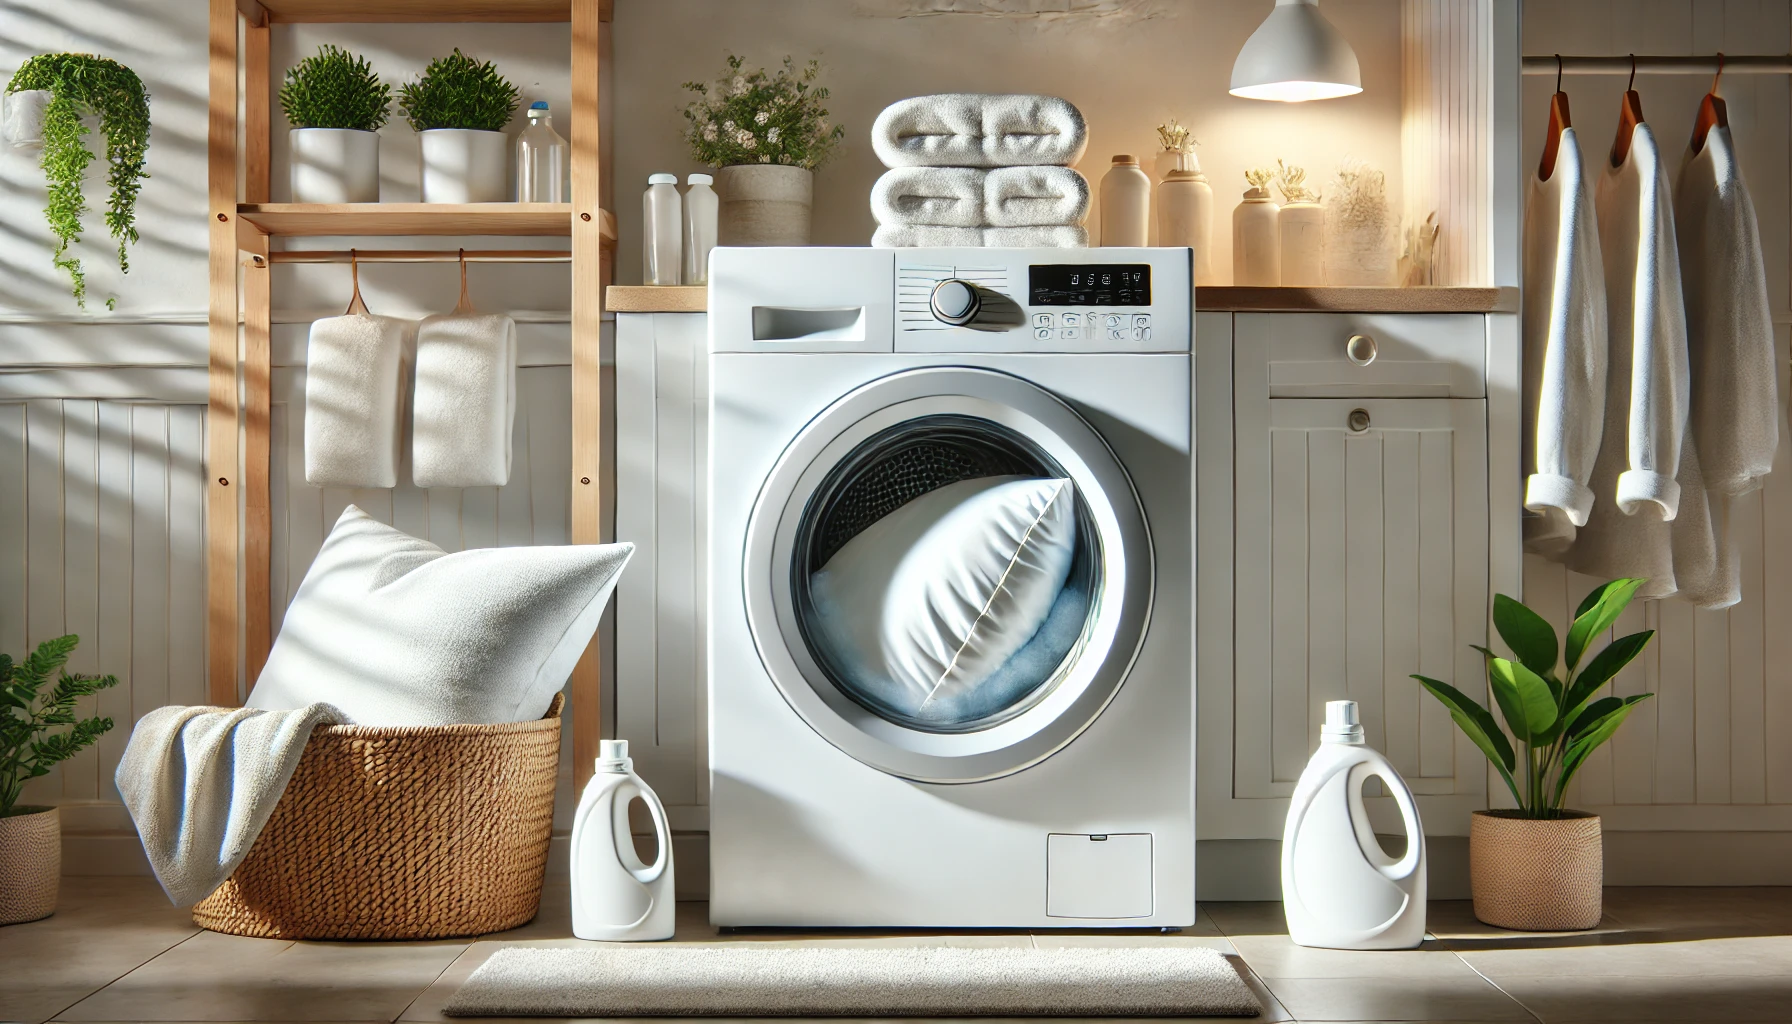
x: 417, y: 832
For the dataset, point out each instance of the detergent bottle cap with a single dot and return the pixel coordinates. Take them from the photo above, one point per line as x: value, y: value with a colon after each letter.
x: 1341, y: 723
x: 612, y: 757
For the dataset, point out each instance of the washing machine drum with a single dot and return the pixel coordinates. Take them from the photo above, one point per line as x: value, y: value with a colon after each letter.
x: 948, y: 574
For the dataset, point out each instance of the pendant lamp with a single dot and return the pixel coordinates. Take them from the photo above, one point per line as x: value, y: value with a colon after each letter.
x: 1294, y: 56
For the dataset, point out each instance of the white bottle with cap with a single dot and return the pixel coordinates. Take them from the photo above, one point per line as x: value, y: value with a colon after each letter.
x: 701, y: 205
x: 662, y: 230
x: 1339, y: 888
x: 615, y: 896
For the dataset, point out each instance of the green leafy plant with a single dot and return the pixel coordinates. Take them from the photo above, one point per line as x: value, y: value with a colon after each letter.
x: 28, y: 747
x: 755, y: 117
x: 334, y: 88
x: 458, y: 91
x: 1559, y: 718
x: 81, y: 85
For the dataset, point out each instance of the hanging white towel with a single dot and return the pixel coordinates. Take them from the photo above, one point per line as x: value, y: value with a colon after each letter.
x: 355, y: 370
x: 1734, y: 425
x: 1564, y: 351
x: 977, y: 130
x: 1647, y: 378
x: 465, y: 402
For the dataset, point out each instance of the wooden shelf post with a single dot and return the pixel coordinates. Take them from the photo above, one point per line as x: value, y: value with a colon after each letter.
x: 221, y: 395
x: 587, y: 377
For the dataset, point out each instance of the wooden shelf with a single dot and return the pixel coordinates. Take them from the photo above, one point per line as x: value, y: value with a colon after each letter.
x: 414, y: 219
x: 637, y: 298
x: 399, y: 11
x: 1357, y: 300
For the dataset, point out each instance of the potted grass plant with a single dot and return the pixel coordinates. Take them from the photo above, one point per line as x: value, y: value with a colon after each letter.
x: 336, y: 105
x: 1539, y: 866
x: 459, y: 108
x: 32, y: 708
x: 47, y: 103
x: 765, y: 133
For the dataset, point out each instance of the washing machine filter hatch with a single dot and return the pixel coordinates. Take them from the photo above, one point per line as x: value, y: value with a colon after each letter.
x: 891, y: 469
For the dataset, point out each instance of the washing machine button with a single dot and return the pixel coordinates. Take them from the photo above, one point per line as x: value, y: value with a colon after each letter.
x: 1118, y: 334
x: 1073, y: 321
x: 1141, y: 320
x: 1043, y: 333
x: 1043, y: 320
x: 1141, y: 334
x: 1115, y: 321
x: 1070, y: 333
x: 955, y: 302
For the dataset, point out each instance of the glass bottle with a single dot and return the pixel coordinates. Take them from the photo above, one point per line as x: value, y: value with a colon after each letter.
x: 700, y: 207
x: 540, y: 159
x: 662, y: 231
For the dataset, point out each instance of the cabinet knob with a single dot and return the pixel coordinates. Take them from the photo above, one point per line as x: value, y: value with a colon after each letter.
x: 1358, y: 420
x: 1360, y: 349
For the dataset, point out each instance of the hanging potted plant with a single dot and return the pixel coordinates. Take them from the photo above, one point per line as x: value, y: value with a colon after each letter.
x: 48, y: 99
x: 459, y: 109
x: 1540, y: 866
x: 336, y: 105
x: 765, y: 133
x: 31, y: 837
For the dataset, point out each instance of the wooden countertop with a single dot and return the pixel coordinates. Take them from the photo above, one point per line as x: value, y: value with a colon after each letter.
x: 620, y: 298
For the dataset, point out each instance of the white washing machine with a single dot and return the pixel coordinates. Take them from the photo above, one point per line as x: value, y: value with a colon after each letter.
x: 845, y: 382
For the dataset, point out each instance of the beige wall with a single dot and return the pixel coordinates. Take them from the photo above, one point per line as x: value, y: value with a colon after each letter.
x: 1128, y: 65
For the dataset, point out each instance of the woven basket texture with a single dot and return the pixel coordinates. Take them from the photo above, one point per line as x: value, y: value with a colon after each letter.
x: 418, y: 832
x: 1536, y: 876
x: 30, y: 865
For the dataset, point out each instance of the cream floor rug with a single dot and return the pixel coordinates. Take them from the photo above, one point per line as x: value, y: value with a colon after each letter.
x: 742, y: 980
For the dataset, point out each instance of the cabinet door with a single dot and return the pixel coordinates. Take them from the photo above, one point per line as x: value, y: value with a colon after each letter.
x: 1361, y: 558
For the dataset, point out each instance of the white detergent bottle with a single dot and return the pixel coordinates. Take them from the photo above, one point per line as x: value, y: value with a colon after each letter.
x: 1339, y: 889
x: 616, y: 897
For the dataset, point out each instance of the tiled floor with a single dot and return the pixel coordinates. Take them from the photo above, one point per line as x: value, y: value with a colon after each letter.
x: 116, y: 951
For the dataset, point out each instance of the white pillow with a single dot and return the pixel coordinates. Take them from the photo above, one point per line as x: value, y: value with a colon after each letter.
x: 928, y: 602
x: 395, y: 631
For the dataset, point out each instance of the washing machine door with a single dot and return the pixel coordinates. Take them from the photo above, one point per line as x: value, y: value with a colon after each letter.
x: 885, y: 444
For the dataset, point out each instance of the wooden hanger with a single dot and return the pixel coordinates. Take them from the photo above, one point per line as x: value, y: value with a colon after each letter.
x: 1558, y: 120
x: 355, y: 305
x: 1629, y: 117
x: 1712, y: 111
x: 465, y: 306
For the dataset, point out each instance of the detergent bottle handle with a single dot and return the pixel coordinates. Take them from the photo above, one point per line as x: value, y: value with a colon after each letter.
x: 662, y: 832
x: 1378, y: 765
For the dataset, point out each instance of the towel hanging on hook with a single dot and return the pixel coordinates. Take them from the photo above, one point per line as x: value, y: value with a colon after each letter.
x: 1558, y: 120
x: 1629, y: 116
x: 465, y: 401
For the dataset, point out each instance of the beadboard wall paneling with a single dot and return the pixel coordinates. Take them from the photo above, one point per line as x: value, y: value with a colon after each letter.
x: 1706, y: 753
x: 1446, y: 112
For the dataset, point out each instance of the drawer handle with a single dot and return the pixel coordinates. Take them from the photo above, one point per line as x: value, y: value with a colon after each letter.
x: 1360, y: 349
x: 1358, y: 420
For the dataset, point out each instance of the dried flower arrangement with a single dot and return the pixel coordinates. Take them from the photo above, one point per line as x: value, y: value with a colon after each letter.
x: 1292, y: 181
x: 1176, y: 137
x: 1357, y: 243
x: 1259, y: 178
x: 755, y: 117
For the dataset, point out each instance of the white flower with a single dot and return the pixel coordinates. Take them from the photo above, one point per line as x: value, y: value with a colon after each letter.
x: 771, y: 135
x: 709, y: 133
x: 762, y: 117
x: 784, y: 158
x: 821, y: 126
x: 728, y: 126
x: 738, y: 86
x: 765, y: 159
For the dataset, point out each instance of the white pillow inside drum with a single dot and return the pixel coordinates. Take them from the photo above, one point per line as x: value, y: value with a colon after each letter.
x: 929, y: 602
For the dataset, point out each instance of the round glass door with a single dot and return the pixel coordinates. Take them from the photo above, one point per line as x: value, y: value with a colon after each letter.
x: 885, y: 445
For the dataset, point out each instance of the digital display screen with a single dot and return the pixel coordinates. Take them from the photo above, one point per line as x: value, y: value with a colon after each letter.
x: 1099, y: 284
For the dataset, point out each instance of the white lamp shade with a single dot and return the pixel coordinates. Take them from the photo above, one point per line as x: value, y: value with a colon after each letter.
x: 1294, y: 56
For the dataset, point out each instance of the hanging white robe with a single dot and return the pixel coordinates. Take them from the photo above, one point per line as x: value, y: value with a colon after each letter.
x: 1733, y: 427
x: 1647, y: 378
x: 1564, y: 351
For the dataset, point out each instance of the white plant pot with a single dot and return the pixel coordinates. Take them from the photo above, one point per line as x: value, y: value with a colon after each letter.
x: 462, y: 165
x: 335, y: 165
x: 764, y: 204
x: 22, y: 117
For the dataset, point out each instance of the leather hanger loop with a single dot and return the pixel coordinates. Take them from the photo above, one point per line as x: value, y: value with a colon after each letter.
x: 1631, y: 85
x: 1720, y: 73
x: 355, y: 304
x: 465, y: 306
x: 1558, y: 72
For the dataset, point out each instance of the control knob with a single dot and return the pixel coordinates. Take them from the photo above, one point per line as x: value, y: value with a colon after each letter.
x: 955, y: 302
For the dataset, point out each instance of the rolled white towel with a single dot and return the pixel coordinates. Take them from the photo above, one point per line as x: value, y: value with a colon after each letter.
x: 942, y: 196
x: 355, y: 369
x: 1020, y: 197
x: 466, y: 401
x: 979, y: 130
x: 910, y: 236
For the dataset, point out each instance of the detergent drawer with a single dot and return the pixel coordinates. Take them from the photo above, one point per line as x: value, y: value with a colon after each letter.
x: 801, y: 300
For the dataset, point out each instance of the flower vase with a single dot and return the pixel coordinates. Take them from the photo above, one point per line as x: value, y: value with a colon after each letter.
x: 764, y: 204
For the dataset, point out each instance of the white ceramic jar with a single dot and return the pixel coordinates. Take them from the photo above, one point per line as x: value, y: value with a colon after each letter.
x: 335, y: 165
x: 463, y: 165
x: 1303, y: 244
x: 1185, y: 217
x: 1125, y: 204
x: 1257, y: 241
x: 22, y: 114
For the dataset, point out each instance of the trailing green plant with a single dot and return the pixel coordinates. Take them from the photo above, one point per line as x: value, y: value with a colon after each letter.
x: 334, y: 88
x: 28, y: 747
x: 458, y: 91
x: 82, y: 85
x: 753, y: 116
x: 1558, y: 717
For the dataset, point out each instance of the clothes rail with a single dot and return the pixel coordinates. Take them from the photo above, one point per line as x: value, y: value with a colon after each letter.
x: 416, y: 256
x: 1624, y: 64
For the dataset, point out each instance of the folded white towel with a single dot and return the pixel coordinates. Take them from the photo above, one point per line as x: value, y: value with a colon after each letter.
x: 1022, y: 197
x: 355, y: 368
x: 200, y: 783
x: 909, y: 236
x: 943, y: 196
x: 978, y: 130
x: 465, y: 401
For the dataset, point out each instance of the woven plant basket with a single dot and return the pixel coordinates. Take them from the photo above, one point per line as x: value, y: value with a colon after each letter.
x: 1535, y: 875
x: 417, y: 832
